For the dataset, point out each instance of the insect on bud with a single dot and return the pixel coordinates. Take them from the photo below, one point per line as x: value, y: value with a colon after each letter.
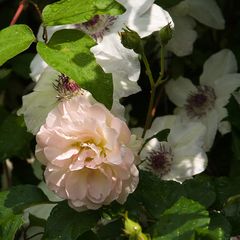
x: 131, y: 40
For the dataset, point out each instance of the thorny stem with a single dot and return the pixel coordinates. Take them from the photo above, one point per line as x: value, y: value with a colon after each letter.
x: 21, y: 6
x: 154, y: 85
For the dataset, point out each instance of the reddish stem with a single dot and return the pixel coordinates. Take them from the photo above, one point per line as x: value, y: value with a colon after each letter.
x: 18, y: 12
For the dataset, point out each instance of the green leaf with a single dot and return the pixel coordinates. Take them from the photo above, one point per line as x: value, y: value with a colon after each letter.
x: 157, y: 195
x: 9, y: 222
x: 14, y: 138
x: 68, y: 224
x: 232, y: 212
x: 78, y: 11
x: 180, y: 221
x: 167, y: 3
x: 205, y: 234
x: 21, y: 64
x: 68, y: 51
x: 24, y: 196
x: 205, y: 193
x: 219, y: 221
x: 3, y: 114
x: 14, y: 40
x: 225, y: 188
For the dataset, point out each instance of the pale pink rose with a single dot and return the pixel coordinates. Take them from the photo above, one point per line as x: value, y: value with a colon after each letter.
x: 85, y: 150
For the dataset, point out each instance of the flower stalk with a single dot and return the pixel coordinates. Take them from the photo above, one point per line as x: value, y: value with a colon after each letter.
x: 154, y: 85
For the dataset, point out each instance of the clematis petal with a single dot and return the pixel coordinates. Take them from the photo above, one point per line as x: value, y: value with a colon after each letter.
x: 114, y: 58
x: 184, y: 36
x: 122, y: 87
x: 211, y: 121
x: 136, y: 6
x: 184, y: 167
x: 225, y: 86
x: 152, y: 20
x: 39, y: 103
x: 185, y: 133
x: 212, y: 16
x: 218, y: 65
x: 224, y: 127
x: 37, y: 67
x: 161, y: 123
x: 178, y: 90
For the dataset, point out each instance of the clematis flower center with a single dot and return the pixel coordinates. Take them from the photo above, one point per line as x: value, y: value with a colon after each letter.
x: 97, y: 26
x: 160, y: 160
x: 199, y: 103
x: 66, y: 88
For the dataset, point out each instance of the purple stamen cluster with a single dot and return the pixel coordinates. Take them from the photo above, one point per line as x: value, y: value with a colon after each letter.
x: 66, y: 88
x: 160, y: 160
x: 199, y: 103
x: 97, y: 26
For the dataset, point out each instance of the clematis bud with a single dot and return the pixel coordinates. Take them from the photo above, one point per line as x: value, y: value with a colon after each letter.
x: 131, y: 40
x: 166, y: 34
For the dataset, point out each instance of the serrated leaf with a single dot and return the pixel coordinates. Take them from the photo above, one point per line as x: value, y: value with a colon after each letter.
x: 24, y: 196
x: 14, y: 138
x: 9, y: 222
x: 70, y: 223
x: 78, y: 11
x: 180, y: 221
x: 167, y: 3
x: 68, y: 51
x: 14, y: 40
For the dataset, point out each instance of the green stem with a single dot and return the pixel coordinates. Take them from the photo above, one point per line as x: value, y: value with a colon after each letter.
x: 154, y: 86
x: 162, y: 65
x: 149, y: 113
x: 148, y: 69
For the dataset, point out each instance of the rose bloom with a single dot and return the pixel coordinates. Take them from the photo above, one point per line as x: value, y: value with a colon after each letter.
x: 85, y: 150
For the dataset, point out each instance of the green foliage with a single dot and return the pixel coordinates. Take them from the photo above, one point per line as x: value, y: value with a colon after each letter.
x: 68, y: 224
x: 69, y: 52
x: 9, y: 222
x: 78, y: 11
x: 24, y: 196
x: 14, y: 40
x: 205, y: 194
x: 219, y: 221
x: 180, y: 221
x: 14, y: 138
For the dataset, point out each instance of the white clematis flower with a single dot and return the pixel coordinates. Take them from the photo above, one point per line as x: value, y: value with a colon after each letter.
x: 144, y: 17
x: 206, y: 103
x: 184, y: 15
x: 179, y: 157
